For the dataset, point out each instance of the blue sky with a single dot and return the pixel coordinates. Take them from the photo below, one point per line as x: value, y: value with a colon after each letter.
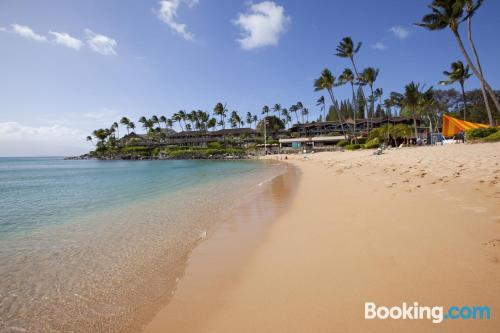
x: 69, y: 67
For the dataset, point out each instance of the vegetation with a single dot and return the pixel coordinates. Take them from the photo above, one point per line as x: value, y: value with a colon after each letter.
x: 480, y: 133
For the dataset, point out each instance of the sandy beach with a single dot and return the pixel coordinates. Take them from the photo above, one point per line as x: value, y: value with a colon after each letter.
x: 411, y: 225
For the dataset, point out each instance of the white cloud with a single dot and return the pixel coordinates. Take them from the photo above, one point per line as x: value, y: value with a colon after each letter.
x: 168, y: 13
x: 26, y: 32
x: 64, y: 39
x: 22, y: 140
x: 3, y: 29
x: 379, y: 46
x: 262, y: 25
x: 399, y: 32
x: 101, y: 44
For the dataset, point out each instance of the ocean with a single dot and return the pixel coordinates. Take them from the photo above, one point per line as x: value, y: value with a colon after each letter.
x: 90, y: 245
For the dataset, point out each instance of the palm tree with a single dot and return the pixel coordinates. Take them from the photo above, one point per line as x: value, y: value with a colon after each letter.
x: 459, y: 73
x: 255, y: 119
x: 89, y: 138
x: 294, y: 109
x: 305, y: 112
x: 125, y: 122
x: 155, y: 120
x: 346, y: 49
x: 131, y: 125
x: 471, y: 6
x: 178, y: 118
x: 169, y: 123
x: 163, y: 119
x: 235, y: 119
x: 143, y: 120
x: 265, y: 110
x: 321, y: 103
x: 277, y: 108
x: 116, y: 128
x: 183, y: 116
x: 220, y: 110
x: 379, y: 93
x: 449, y: 14
x: 412, y: 100
x: 347, y: 76
x: 249, y: 119
x: 369, y: 76
x: 326, y: 82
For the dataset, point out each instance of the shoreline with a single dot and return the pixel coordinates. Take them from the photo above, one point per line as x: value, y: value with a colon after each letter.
x: 415, y: 224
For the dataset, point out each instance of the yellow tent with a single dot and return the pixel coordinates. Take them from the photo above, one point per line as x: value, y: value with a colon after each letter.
x: 453, y: 126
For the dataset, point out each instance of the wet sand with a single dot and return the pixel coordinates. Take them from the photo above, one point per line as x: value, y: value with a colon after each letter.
x: 414, y: 224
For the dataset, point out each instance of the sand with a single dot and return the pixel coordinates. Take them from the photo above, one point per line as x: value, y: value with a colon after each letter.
x: 411, y: 225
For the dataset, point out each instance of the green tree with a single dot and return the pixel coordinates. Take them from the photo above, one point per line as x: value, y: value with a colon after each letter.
x: 274, y: 125
x: 369, y: 76
x: 326, y: 82
x: 459, y: 73
x: 125, y: 122
x: 449, y: 14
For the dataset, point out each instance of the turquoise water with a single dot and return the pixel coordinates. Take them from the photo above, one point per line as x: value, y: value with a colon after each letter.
x: 87, y: 245
x: 39, y: 191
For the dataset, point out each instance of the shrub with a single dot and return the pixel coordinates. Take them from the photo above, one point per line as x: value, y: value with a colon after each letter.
x: 362, y: 141
x: 479, y: 133
x: 372, y: 144
x: 214, y: 145
x: 353, y: 147
x: 493, y: 137
x: 342, y: 143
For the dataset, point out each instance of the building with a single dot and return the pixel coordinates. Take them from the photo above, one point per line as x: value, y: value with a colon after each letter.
x: 363, y: 126
x: 236, y: 136
x: 315, y: 143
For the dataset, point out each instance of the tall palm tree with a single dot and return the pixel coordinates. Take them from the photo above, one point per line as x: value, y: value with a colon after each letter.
x: 379, y: 93
x: 471, y: 7
x: 277, y: 108
x: 369, y: 76
x: 249, y: 119
x: 347, y: 76
x: 449, y: 14
x: 155, y: 120
x: 255, y: 119
x: 183, y: 116
x: 178, y: 118
x: 89, y: 138
x: 459, y: 73
x: 220, y: 110
x: 265, y: 110
x: 294, y: 110
x: 286, y: 116
x: 326, y: 82
x: 235, y: 119
x: 321, y: 103
x: 125, y: 122
x: 305, y: 112
x: 412, y: 100
x: 131, y: 126
x: 143, y: 120
x: 346, y: 49
x: 163, y: 119
x: 116, y: 128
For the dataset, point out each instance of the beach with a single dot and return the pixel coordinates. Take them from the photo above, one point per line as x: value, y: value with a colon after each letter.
x: 410, y: 225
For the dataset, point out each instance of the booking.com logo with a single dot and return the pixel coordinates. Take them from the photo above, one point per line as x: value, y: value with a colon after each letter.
x: 435, y: 313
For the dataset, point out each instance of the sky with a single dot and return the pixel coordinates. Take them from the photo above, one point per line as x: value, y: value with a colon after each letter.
x: 69, y: 67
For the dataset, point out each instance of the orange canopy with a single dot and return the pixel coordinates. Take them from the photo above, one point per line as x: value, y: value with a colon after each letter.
x: 452, y: 126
